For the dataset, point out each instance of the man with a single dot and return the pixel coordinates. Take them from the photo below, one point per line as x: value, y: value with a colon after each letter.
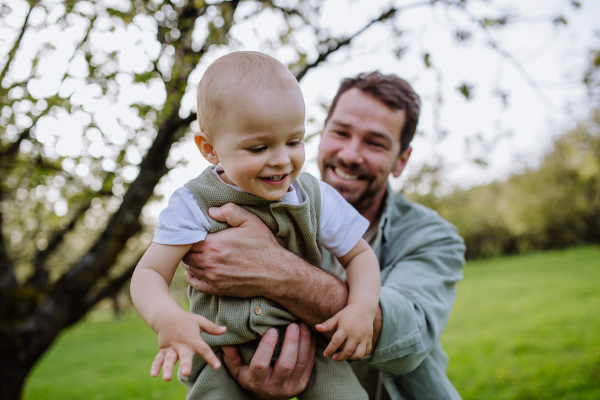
x: 366, y: 138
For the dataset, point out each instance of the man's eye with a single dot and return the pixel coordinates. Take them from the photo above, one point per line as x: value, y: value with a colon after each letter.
x: 258, y: 149
x: 377, y: 144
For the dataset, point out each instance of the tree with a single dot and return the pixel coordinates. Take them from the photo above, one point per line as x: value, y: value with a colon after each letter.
x: 70, y: 203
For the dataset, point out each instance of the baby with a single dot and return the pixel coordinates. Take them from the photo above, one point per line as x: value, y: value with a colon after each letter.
x: 251, y: 116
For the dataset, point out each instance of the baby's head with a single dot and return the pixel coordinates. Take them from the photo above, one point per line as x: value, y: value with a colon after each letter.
x: 251, y: 116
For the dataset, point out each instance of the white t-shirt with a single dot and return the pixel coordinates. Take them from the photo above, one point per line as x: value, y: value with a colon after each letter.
x: 340, y: 225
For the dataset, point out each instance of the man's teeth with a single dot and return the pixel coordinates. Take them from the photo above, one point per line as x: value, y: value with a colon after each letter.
x: 275, y: 178
x: 341, y: 174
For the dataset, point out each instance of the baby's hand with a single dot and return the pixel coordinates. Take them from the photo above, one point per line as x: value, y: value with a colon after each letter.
x: 354, y: 327
x: 179, y: 339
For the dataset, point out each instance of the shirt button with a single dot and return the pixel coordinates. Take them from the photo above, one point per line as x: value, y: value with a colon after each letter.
x: 258, y: 311
x: 276, y: 209
x: 279, y: 240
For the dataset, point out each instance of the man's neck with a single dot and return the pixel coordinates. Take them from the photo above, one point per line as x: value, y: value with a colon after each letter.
x: 373, y: 212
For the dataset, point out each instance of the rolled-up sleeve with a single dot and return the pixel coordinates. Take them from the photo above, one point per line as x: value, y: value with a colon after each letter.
x: 422, y: 262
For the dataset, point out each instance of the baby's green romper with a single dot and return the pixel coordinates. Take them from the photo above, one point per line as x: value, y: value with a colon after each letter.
x: 247, y: 320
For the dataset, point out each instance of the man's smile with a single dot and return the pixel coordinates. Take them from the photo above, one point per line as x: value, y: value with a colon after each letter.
x: 344, y: 175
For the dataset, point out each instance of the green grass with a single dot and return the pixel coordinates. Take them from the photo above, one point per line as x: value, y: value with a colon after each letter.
x: 528, y: 327
x: 523, y: 327
x: 102, y: 360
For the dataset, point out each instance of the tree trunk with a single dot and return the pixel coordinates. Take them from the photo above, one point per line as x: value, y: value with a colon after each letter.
x: 13, y: 373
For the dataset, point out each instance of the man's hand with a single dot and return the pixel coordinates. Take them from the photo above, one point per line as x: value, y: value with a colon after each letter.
x: 238, y: 261
x: 291, y: 372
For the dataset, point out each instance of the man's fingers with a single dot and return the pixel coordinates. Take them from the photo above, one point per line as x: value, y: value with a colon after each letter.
x: 285, y: 364
x: 233, y: 361
x: 306, y: 357
x: 328, y: 325
x: 200, y: 285
x: 158, y: 362
x: 259, y: 366
x: 233, y: 214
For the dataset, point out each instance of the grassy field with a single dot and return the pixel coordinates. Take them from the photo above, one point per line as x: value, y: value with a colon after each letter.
x: 523, y: 327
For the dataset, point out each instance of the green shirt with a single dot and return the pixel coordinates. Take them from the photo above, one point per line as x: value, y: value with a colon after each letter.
x: 421, y: 258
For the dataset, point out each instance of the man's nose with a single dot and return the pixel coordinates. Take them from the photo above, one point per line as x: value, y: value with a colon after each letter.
x: 279, y: 158
x: 351, y: 152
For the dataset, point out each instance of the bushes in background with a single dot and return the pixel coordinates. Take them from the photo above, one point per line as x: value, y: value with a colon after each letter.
x: 553, y: 206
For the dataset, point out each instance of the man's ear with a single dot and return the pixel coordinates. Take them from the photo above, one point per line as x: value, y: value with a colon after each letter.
x: 401, y: 163
x: 206, y: 148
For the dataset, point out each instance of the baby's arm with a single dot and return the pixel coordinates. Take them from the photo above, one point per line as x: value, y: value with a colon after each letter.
x: 354, y: 323
x: 178, y: 330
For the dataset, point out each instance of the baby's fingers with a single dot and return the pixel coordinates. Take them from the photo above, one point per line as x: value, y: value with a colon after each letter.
x: 328, y: 325
x: 185, y: 362
x: 170, y: 360
x: 204, y: 351
x: 158, y: 362
x: 347, y: 351
x: 336, y: 341
x: 210, y: 327
x: 359, y: 353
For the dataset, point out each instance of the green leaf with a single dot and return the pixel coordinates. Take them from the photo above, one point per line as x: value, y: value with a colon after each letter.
x: 560, y: 20
x: 427, y: 60
x: 493, y: 22
x: 466, y: 89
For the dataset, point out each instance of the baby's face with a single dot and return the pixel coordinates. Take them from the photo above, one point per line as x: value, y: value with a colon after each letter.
x: 260, y: 142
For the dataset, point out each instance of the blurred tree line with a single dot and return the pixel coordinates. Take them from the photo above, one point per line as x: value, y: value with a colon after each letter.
x: 553, y: 206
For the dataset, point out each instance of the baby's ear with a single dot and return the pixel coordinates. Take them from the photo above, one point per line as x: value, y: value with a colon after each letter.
x: 207, y: 149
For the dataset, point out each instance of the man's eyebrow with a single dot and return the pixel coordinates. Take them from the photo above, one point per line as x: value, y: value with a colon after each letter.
x: 340, y: 123
x: 380, y: 135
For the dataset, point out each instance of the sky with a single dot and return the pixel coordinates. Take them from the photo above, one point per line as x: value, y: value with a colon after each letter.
x: 537, y: 65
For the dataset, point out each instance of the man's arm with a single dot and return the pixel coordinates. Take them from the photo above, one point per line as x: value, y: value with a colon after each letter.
x: 247, y: 261
x: 424, y: 257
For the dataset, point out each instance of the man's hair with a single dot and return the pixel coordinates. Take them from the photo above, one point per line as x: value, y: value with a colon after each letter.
x: 227, y: 75
x: 393, y: 91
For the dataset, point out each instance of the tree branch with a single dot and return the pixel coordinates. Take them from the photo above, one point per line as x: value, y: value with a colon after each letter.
x: 39, y: 277
x: 344, y: 42
x: 13, y: 51
x: 112, y: 287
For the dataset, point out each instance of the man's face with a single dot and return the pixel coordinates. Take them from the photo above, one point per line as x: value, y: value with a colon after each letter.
x: 360, y: 147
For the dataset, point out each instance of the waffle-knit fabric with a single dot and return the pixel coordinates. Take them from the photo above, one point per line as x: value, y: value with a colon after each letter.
x: 247, y: 320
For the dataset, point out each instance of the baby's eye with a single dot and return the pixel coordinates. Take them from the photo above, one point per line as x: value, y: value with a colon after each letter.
x: 294, y: 143
x: 258, y: 149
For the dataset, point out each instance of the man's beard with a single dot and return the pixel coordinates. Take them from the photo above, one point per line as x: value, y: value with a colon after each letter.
x: 361, y: 200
